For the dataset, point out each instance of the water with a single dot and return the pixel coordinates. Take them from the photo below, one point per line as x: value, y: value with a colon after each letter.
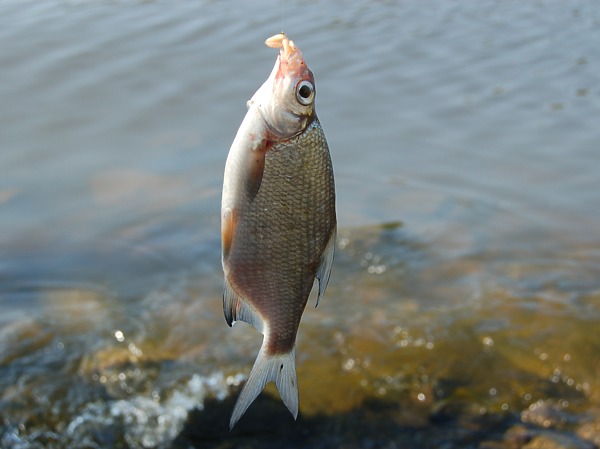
x: 463, y: 306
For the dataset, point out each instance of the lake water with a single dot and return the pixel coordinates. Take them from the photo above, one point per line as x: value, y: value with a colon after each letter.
x: 464, y: 305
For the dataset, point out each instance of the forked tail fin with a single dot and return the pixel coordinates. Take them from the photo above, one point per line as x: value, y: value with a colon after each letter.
x: 281, y: 369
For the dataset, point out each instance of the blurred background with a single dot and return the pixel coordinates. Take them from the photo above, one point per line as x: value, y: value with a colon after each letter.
x: 463, y: 309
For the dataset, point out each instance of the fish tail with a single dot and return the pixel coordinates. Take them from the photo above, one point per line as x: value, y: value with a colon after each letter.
x: 279, y: 368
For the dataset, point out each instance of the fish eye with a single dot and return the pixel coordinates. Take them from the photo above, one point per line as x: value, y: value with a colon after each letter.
x: 305, y: 92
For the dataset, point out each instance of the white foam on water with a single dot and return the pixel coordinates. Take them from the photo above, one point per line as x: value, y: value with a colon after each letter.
x: 143, y: 421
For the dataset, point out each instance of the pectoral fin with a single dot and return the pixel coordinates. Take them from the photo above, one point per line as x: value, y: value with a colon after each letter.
x: 255, y: 172
x: 324, y: 270
x: 228, y: 225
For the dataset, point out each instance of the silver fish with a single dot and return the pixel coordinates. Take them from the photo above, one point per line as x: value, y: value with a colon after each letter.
x: 278, y: 222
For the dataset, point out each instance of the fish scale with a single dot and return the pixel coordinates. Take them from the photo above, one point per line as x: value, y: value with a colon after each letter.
x: 294, y: 197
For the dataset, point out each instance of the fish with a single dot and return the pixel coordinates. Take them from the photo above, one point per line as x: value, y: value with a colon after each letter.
x: 278, y: 221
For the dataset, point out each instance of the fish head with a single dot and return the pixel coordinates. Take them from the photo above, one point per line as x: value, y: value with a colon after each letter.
x: 287, y: 98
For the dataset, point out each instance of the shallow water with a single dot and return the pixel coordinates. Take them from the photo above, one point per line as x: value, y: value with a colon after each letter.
x: 464, y: 303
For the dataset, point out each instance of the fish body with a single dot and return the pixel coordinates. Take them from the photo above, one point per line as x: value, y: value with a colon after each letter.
x: 278, y: 220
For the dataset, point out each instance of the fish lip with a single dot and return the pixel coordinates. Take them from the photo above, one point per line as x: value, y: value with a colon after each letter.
x: 290, y: 58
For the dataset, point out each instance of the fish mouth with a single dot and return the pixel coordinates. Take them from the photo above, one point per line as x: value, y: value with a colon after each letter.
x: 290, y: 56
